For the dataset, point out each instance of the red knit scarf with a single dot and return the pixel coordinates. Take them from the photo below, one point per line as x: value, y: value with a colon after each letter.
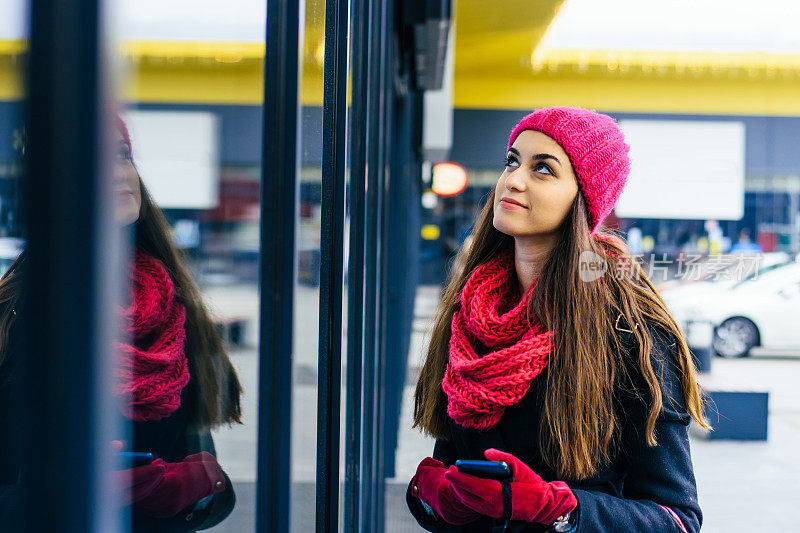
x: 494, y: 351
x: 152, y: 370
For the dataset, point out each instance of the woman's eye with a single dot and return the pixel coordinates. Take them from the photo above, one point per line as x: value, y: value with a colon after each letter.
x: 540, y: 166
x: 124, y: 154
x: 510, y: 162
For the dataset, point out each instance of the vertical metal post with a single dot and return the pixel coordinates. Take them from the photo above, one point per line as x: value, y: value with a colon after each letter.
x: 355, y: 266
x: 70, y: 276
x: 379, y: 137
x: 389, y: 58
x: 334, y: 109
x: 401, y: 274
x: 279, y: 193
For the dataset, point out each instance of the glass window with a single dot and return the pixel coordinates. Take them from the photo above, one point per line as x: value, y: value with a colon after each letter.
x: 192, y: 93
x: 309, y: 267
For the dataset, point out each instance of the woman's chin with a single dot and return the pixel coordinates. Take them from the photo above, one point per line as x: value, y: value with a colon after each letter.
x: 507, y: 227
x: 504, y: 228
x: 125, y: 219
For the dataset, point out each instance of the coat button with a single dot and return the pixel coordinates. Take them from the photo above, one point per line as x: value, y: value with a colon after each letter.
x: 414, y: 489
x: 218, y: 484
x: 189, y: 517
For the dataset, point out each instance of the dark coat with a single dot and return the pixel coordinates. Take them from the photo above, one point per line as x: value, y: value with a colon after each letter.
x: 627, y: 494
x: 170, y: 438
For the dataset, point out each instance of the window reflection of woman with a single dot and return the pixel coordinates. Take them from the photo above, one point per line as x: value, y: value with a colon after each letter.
x: 174, y: 379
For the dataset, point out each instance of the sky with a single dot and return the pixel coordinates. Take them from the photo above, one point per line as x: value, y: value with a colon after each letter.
x: 769, y: 26
x: 198, y: 20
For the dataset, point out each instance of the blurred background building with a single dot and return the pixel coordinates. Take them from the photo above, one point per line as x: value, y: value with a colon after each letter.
x: 648, y: 67
x: 708, y: 94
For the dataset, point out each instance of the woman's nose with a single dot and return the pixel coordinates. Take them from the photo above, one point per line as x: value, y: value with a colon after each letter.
x: 515, y: 181
x: 119, y: 174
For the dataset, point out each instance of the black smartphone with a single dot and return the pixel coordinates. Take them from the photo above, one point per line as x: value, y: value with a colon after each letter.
x: 133, y: 459
x: 498, y: 470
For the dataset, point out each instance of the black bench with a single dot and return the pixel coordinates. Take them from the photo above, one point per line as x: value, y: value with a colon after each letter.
x: 734, y: 414
x: 231, y: 330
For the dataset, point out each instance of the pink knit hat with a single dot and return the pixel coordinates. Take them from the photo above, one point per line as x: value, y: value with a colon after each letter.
x: 596, y: 148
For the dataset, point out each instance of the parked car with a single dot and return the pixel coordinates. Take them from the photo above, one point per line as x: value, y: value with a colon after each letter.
x: 724, y: 271
x: 760, y: 311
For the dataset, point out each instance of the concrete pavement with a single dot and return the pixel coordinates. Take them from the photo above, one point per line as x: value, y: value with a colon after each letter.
x: 751, y: 486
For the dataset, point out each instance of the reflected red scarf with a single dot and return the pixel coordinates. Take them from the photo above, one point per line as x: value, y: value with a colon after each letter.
x: 152, y: 370
x: 494, y: 351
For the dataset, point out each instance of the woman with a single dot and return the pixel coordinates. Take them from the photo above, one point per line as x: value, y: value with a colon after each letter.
x: 173, y: 377
x: 553, y: 352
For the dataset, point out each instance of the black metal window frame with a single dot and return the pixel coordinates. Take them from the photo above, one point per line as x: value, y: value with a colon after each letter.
x: 71, y: 274
x: 279, y: 194
x: 369, y: 24
x: 363, y: 488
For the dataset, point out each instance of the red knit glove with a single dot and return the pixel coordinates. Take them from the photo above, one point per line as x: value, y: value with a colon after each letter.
x: 532, y: 498
x: 182, y: 484
x: 430, y: 486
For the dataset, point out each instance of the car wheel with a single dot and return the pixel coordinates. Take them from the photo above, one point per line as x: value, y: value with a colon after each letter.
x: 735, y: 337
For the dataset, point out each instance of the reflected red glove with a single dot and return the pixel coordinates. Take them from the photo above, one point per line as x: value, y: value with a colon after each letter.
x: 133, y: 484
x: 430, y: 486
x: 182, y: 484
x: 532, y: 498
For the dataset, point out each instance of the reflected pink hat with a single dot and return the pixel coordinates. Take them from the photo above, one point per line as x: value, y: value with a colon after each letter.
x: 596, y: 148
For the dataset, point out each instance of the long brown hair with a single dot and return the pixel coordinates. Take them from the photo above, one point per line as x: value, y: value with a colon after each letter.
x: 579, y: 426
x: 214, y: 390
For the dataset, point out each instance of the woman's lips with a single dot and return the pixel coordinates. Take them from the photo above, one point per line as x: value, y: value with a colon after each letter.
x: 509, y: 205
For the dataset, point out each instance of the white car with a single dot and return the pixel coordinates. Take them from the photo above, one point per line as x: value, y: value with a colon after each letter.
x: 688, y: 294
x: 723, y: 274
x: 762, y: 311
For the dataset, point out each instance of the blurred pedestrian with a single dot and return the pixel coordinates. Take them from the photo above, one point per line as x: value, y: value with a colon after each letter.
x: 744, y: 244
x: 551, y: 354
x: 174, y: 379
